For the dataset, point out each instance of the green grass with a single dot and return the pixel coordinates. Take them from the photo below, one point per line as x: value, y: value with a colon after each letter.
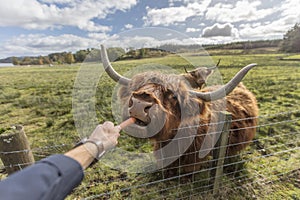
x: 40, y: 98
x: 292, y: 57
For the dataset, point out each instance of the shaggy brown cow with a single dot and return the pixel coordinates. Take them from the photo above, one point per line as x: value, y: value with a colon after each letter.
x: 182, y: 123
x: 198, y: 77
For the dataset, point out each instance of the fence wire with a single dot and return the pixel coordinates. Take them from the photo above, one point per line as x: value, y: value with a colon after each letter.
x: 272, y: 157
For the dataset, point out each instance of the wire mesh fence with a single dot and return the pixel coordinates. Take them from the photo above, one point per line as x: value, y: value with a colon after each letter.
x: 272, y: 157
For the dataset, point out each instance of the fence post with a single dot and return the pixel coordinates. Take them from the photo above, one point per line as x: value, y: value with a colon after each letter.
x: 15, y: 151
x: 220, y: 151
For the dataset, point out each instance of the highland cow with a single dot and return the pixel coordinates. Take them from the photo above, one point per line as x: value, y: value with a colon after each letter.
x: 198, y: 77
x: 182, y: 121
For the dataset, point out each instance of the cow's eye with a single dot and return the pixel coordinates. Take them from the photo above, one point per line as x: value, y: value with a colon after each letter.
x: 145, y: 95
x: 173, y: 97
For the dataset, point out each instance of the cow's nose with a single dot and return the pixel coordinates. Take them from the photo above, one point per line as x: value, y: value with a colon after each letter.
x: 139, y: 109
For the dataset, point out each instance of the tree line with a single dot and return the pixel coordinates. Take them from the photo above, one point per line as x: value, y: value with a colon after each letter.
x: 291, y: 40
x: 87, y: 55
x: 53, y: 58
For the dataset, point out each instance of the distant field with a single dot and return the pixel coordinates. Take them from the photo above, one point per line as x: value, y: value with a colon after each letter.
x: 292, y: 57
x: 40, y: 98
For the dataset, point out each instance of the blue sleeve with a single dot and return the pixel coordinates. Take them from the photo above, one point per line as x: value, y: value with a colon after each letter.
x: 51, y: 178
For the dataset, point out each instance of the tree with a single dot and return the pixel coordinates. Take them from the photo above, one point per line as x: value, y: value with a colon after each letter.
x: 15, y: 61
x: 40, y: 60
x: 46, y: 60
x: 142, y: 53
x: 69, y: 58
x: 93, y: 55
x: 115, y: 53
x: 26, y: 61
x: 291, y: 40
x: 57, y: 57
x: 81, y: 55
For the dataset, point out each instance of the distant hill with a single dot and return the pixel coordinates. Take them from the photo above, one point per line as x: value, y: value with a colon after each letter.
x: 234, y: 45
x: 246, y: 44
x: 6, y: 60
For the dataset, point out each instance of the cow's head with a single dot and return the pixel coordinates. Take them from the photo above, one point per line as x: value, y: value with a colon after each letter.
x: 154, y: 98
x: 198, y: 77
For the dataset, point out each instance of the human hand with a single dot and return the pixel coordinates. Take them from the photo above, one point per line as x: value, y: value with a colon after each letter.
x: 107, y: 133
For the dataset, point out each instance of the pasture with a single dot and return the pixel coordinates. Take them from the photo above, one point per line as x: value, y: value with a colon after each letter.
x: 40, y: 98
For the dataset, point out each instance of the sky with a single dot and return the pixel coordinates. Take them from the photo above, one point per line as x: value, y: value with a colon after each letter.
x: 40, y: 27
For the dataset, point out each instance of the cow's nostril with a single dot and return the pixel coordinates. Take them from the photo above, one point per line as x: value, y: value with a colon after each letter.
x: 146, y: 109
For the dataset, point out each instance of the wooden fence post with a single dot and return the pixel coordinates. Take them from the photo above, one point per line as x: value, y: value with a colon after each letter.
x: 15, y: 151
x: 220, y: 151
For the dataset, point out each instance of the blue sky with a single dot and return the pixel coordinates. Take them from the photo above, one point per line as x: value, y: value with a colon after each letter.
x: 40, y: 27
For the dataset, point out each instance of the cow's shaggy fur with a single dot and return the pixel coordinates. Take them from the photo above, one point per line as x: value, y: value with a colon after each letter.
x: 172, y: 95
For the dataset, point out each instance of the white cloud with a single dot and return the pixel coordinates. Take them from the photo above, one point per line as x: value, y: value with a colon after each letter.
x: 223, y: 30
x: 98, y: 36
x: 167, y: 16
x: 214, y: 40
x: 38, y: 44
x: 128, y: 26
x: 92, y: 27
x: 271, y: 30
x: 32, y: 14
x: 171, y: 15
x: 243, y: 10
x: 288, y: 16
x: 192, y: 30
x: 149, y: 37
x: 57, y: 1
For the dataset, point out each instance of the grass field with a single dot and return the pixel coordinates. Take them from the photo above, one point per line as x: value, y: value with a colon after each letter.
x: 40, y: 98
x: 292, y: 57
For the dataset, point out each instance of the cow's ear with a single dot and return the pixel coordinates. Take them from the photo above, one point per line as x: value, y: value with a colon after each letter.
x: 193, y: 73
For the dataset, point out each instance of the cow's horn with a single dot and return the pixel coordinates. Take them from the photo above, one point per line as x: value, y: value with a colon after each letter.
x: 217, y: 65
x: 226, y: 89
x: 110, y: 70
x: 186, y: 71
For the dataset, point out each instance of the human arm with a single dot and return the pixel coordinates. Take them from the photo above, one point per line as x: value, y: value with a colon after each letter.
x: 56, y: 176
x: 85, y: 154
x: 51, y: 178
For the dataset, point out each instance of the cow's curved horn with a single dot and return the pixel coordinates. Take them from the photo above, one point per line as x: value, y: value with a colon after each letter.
x: 217, y: 65
x: 186, y: 71
x: 110, y: 70
x: 226, y: 89
x: 218, y: 62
